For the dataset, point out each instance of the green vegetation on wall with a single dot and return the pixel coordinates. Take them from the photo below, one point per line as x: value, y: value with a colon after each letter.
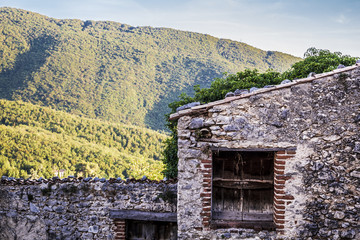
x: 316, y: 60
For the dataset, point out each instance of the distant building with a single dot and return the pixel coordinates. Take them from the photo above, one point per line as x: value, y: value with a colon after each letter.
x: 59, y: 173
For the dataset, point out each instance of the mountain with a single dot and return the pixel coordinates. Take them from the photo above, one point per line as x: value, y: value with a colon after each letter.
x: 114, y: 71
x: 37, y: 141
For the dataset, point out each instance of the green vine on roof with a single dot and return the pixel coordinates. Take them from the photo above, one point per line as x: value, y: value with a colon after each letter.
x: 315, y: 60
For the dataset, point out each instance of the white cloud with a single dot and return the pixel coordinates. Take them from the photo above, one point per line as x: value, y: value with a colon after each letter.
x: 342, y: 19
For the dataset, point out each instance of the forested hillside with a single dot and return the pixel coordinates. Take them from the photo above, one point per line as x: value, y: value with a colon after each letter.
x: 113, y: 71
x: 35, y: 141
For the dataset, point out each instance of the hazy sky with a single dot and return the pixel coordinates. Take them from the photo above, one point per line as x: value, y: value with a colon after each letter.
x: 289, y: 26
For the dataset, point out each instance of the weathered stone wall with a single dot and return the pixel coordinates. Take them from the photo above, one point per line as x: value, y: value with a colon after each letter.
x: 75, y: 208
x: 320, y: 118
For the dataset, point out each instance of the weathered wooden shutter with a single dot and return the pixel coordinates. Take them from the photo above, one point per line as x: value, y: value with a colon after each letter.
x: 243, y: 186
x: 149, y: 230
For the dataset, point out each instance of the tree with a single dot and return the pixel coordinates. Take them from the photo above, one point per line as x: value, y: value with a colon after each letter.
x: 315, y: 60
x: 318, y: 61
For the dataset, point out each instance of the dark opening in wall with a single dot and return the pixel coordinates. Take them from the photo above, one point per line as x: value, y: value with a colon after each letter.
x: 243, y: 189
x: 150, y: 230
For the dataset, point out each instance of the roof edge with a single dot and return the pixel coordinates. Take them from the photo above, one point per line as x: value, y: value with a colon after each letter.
x: 204, y: 107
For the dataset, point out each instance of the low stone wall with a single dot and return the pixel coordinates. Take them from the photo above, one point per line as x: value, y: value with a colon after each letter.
x: 76, y: 208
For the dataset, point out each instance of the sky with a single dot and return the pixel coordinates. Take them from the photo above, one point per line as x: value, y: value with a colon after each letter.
x: 289, y: 26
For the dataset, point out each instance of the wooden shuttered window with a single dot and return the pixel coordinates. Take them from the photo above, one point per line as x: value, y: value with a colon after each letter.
x: 243, y: 186
x: 144, y: 230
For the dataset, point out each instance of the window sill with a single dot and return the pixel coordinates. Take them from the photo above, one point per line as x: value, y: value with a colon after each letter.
x: 256, y: 225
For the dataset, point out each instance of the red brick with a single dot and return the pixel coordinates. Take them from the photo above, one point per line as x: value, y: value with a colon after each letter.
x: 279, y: 196
x: 119, y: 227
x: 207, y: 166
x: 208, y: 171
x: 279, y: 171
x: 205, y: 214
x: 280, y: 232
x: 288, y: 197
x: 206, y: 161
x: 290, y: 152
x: 207, y: 218
x: 280, y: 152
x: 208, y: 175
x: 279, y: 189
x: 277, y: 212
x: 277, y: 192
x: 279, y: 167
x: 279, y: 217
x: 277, y: 181
x: 207, y: 180
x: 284, y: 156
x: 119, y: 237
x: 205, y: 194
x: 279, y: 226
x: 280, y: 162
x: 207, y: 208
x: 280, y: 206
x: 279, y: 202
x: 279, y: 221
x: 282, y: 177
x: 279, y: 186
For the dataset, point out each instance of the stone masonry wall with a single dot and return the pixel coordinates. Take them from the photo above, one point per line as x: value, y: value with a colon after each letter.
x: 317, y: 185
x: 76, y: 208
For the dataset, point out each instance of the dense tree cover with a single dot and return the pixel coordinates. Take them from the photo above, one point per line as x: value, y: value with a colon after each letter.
x: 113, y: 71
x: 35, y: 141
x: 315, y: 60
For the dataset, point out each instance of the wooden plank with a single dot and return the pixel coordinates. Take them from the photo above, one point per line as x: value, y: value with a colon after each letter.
x: 222, y: 149
x: 258, y: 165
x: 243, y: 185
x: 241, y: 216
x: 258, y: 201
x: 257, y: 216
x: 257, y: 225
x: 217, y: 203
x: 227, y: 215
x: 245, y: 180
x: 229, y: 200
x: 143, y: 216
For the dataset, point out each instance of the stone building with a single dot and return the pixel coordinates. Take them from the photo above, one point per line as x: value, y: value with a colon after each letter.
x: 280, y: 162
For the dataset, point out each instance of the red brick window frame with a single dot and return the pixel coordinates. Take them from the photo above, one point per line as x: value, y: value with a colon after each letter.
x: 281, y: 197
x: 119, y: 229
x: 278, y: 195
